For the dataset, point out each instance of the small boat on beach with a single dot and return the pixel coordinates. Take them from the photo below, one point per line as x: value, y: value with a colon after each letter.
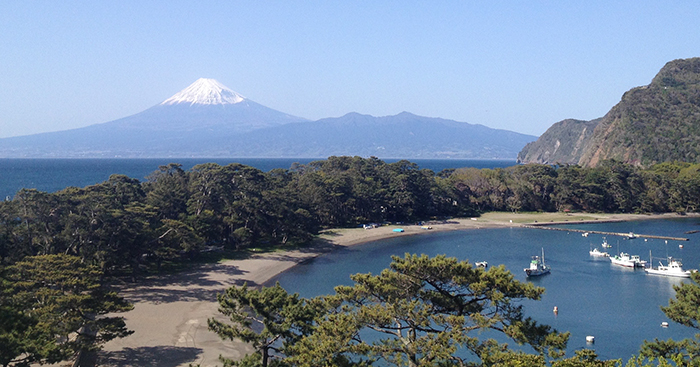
x: 537, y: 266
x: 624, y: 259
x: 597, y: 253
x: 673, y: 268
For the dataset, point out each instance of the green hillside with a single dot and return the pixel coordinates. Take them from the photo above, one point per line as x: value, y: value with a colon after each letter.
x: 659, y: 122
x: 656, y: 123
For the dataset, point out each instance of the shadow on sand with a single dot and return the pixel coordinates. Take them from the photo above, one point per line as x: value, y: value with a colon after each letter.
x: 163, y: 356
x: 194, y: 284
x: 203, y: 283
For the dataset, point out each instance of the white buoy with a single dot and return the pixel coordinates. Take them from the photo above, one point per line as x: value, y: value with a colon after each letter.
x: 590, y: 339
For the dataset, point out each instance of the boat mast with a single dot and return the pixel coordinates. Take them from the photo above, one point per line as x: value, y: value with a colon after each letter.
x: 542, y: 256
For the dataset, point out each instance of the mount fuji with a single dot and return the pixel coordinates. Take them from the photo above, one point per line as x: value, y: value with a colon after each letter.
x: 209, y: 120
x: 205, y: 109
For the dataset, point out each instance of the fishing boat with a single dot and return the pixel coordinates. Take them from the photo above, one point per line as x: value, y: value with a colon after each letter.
x: 537, y: 266
x: 597, y: 253
x: 605, y: 243
x: 673, y: 268
x: 624, y: 259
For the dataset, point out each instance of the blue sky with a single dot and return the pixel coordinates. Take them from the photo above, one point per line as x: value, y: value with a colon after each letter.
x: 515, y: 65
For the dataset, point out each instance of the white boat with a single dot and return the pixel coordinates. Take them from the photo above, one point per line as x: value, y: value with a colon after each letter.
x: 597, y: 253
x: 585, y: 234
x: 537, y: 266
x: 605, y: 243
x: 481, y: 264
x: 673, y: 268
x: 624, y: 259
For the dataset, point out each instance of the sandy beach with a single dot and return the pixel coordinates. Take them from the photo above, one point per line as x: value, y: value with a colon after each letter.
x: 170, y: 312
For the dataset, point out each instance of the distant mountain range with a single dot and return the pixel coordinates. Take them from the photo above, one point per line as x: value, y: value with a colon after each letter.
x: 209, y: 120
x: 654, y: 123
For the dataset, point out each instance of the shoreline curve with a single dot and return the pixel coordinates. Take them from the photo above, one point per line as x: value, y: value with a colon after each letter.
x: 170, y: 312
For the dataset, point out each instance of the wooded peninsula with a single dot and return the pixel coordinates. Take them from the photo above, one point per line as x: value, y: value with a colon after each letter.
x: 127, y: 228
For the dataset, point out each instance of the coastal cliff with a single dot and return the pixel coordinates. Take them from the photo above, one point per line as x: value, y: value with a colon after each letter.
x: 659, y: 122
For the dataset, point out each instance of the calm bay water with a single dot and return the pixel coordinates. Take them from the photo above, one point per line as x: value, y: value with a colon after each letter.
x: 619, y: 306
x: 52, y: 175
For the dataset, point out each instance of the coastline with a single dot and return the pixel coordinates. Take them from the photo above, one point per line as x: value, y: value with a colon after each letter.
x: 170, y: 312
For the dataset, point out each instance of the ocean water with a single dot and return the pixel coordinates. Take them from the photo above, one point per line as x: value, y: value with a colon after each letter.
x: 52, y: 175
x: 620, y: 307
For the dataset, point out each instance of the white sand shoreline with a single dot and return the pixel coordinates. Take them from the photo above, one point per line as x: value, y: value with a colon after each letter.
x: 170, y: 312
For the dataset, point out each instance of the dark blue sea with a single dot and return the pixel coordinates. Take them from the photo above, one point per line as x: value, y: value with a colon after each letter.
x: 52, y: 175
x: 620, y: 307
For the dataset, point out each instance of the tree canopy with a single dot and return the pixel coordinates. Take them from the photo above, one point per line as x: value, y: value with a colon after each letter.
x: 126, y: 227
x: 123, y: 225
x: 53, y: 308
x: 421, y: 311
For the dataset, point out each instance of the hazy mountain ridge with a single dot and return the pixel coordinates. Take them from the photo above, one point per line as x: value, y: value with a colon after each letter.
x: 207, y: 119
x: 655, y: 123
x: 400, y: 136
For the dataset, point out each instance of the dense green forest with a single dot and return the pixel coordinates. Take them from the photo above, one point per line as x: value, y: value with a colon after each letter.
x: 56, y: 249
x: 123, y: 224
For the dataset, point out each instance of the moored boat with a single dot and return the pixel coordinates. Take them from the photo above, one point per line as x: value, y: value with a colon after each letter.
x: 673, y: 268
x: 624, y: 259
x: 597, y: 253
x: 605, y: 243
x: 537, y: 266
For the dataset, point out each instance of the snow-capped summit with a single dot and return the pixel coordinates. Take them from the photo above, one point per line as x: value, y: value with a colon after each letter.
x: 208, y: 120
x: 206, y: 92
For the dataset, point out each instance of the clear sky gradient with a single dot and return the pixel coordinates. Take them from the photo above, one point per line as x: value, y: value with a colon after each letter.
x: 515, y: 65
